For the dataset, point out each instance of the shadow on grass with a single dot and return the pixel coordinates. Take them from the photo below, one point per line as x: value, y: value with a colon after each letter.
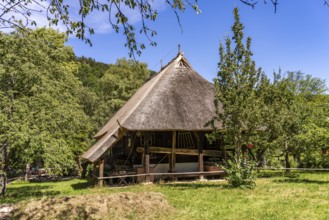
x: 22, y: 193
x: 301, y: 181
x: 50, y: 179
x: 189, y: 186
x: 272, y: 174
x: 84, y: 185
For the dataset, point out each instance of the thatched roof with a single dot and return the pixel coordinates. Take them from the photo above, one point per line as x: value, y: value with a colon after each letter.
x: 175, y: 99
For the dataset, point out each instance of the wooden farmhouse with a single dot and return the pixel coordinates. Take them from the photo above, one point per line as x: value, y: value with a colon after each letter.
x: 161, y: 131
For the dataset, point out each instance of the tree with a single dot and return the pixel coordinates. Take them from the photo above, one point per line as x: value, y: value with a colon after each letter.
x: 40, y: 116
x: 90, y: 71
x: 17, y: 13
x: 292, y: 115
x: 118, y: 84
x: 235, y: 92
x: 311, y: 124
x: 106, y: 87
x: 280, y: 116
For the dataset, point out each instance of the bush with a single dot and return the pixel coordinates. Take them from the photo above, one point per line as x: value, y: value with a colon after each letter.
x: 90, y: 170
x: 241, y: 174
x: 274, y: 162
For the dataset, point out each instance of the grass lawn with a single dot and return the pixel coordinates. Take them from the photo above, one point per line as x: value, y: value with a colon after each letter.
x: 302, y: 196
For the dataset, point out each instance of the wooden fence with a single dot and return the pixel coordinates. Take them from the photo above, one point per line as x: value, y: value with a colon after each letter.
x: 180, y: 174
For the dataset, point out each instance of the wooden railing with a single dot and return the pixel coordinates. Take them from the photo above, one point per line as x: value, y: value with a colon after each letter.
x: 180, y: 174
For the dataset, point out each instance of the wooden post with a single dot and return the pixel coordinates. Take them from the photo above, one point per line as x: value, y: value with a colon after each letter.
x: 200, y: 156
x: 95, y: 171
x: 200, y: 164
x: 101, y: 173
x: 147, y: 168
x: 146, y: 156
x: 172, y: 161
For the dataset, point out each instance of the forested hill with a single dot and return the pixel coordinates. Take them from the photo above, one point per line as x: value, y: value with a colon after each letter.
x: 90, y: 71
x: 106, y: 87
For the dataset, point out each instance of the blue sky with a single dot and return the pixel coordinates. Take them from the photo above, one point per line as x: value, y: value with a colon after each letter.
x: 295, y: 38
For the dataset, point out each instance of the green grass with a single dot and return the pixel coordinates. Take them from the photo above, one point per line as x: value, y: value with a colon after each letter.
x: 299, y: 196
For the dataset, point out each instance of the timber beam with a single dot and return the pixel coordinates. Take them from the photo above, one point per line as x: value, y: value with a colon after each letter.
x: 172, y: 156
x: 101, y: 173
x: 195, y: 152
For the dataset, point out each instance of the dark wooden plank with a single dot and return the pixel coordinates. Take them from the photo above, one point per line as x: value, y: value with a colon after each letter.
x: 95, y: 171
x: 164, y: 150
x: 200, y: 165
x: 173, y: 152
x: 200, y: 156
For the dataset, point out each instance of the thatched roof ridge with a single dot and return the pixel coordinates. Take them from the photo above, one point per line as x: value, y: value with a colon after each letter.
x: 129, y: 107
x: 177, y: 98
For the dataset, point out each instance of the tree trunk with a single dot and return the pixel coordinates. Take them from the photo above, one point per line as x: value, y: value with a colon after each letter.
x: 4, y: 165
x: 260, y: 157
x: 286, y: 157
x: 238, y: 151
x: 80, y: 168
x: 27, y: 172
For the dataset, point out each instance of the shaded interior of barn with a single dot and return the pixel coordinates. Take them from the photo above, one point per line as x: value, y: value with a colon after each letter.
x: 179, y: 152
